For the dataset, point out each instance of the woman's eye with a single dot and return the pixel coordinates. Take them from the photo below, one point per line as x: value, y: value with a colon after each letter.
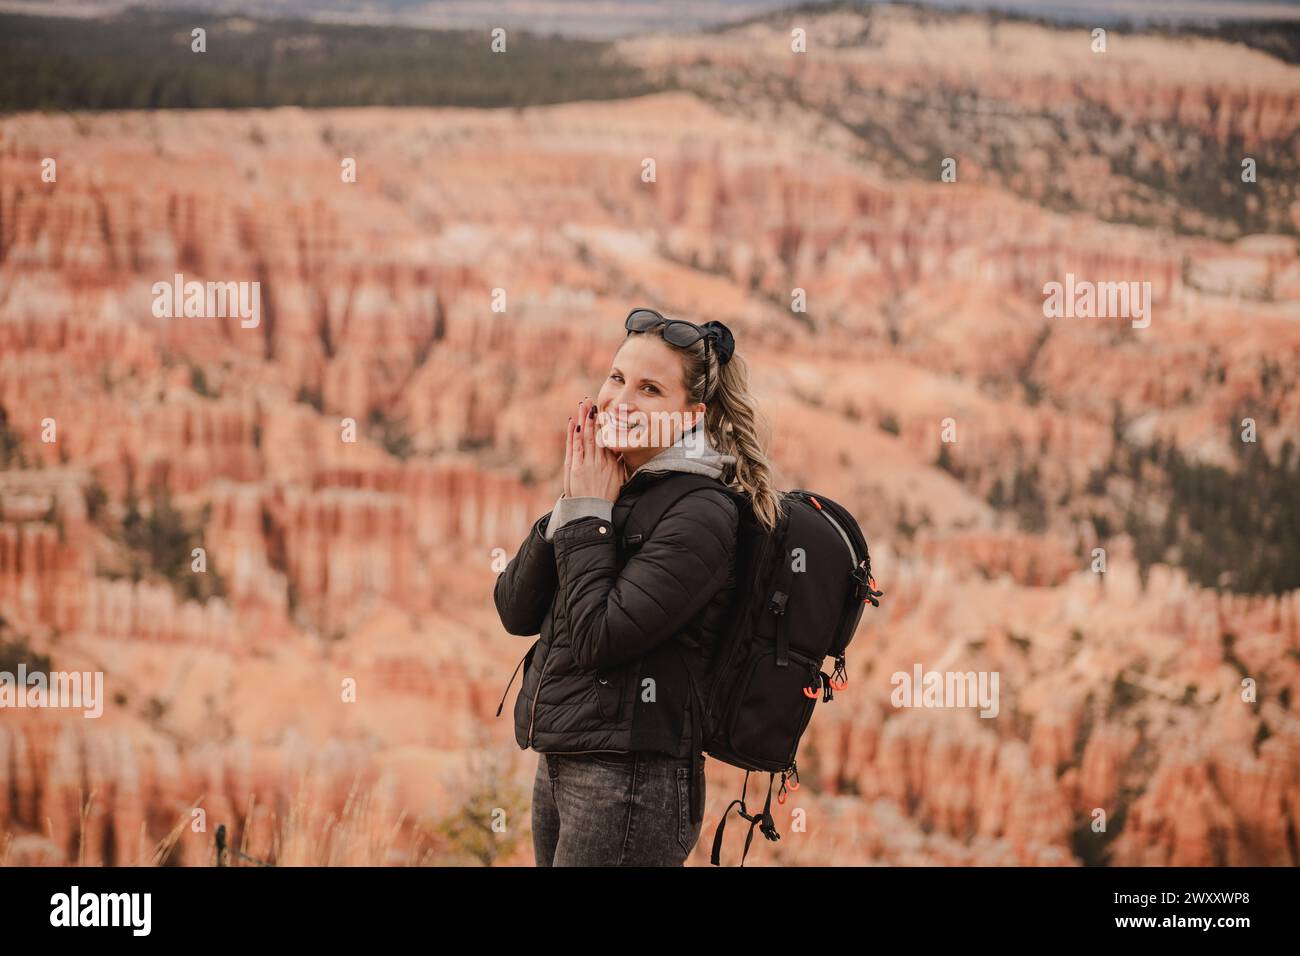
x: 615, y: 376
x: 652, y: 389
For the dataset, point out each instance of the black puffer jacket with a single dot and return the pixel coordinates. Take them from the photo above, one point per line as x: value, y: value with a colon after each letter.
x: 604, y: 633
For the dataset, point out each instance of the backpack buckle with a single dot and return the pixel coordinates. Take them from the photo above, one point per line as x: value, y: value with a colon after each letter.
x: 866, y: 585
x: 778, y: 603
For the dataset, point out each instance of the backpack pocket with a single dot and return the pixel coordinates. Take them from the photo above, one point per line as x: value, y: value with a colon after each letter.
x: 766, y: 710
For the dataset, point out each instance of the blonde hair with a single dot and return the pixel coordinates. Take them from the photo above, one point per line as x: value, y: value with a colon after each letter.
x: 733, y: 422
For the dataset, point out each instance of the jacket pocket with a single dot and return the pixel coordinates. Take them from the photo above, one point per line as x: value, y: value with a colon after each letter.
x: 609, y: 687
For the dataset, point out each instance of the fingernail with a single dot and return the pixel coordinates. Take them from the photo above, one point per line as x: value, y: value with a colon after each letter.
x: 591, y: 412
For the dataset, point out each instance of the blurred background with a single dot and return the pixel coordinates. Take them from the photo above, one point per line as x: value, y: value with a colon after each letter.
x: 455, y: 300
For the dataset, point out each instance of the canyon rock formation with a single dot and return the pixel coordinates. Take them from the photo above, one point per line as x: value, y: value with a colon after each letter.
x: 327, y: 686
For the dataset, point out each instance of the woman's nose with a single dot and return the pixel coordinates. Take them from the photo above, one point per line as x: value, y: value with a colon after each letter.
x: 617, y: 402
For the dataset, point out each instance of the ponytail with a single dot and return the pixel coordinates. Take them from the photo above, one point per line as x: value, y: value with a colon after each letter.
x: 736, y: 427
x: 734, y: 424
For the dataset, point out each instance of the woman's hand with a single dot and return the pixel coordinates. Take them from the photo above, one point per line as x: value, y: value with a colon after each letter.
x: 592, y: 469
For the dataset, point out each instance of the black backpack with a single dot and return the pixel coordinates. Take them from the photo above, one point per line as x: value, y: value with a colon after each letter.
x: 800, y: 593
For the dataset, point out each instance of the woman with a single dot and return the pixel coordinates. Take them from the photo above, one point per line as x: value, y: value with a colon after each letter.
x: 626, y: 627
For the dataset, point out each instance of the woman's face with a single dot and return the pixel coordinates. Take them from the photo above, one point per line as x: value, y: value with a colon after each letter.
x: 643, y: 401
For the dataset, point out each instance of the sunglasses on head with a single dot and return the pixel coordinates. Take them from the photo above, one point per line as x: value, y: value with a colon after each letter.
x: 677, y: 332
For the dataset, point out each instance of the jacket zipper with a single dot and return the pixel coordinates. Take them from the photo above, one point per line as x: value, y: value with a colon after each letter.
x: 537, y: 692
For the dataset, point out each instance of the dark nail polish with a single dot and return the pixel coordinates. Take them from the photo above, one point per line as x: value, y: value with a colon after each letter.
x: 591, y: 412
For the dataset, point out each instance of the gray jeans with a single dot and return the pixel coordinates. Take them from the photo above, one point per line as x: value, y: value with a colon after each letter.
x: 611, y: 809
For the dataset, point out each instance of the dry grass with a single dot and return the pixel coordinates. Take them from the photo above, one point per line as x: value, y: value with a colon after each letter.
x: 310, y: 828
x: 359, y: 835
x: 308, y: 835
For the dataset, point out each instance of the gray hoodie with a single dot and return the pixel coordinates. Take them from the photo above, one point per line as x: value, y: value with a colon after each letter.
x: 692, y: 452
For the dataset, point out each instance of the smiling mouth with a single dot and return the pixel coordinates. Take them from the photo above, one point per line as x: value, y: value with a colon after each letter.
x: 620, y: 432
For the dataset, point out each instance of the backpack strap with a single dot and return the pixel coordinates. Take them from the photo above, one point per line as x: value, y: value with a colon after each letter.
x: 762, y: 820
x: 772, y: 624
x: 696, y: 717
x: 652, y: 505
x: 647, y: 511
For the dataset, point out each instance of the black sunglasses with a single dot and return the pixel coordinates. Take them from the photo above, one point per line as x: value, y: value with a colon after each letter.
x: 677, y: 332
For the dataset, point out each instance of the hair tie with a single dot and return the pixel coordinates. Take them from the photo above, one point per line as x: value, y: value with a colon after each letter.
x: 723, y: 340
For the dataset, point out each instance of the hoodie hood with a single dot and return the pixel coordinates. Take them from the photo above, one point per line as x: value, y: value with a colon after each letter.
x: 693, y: 452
